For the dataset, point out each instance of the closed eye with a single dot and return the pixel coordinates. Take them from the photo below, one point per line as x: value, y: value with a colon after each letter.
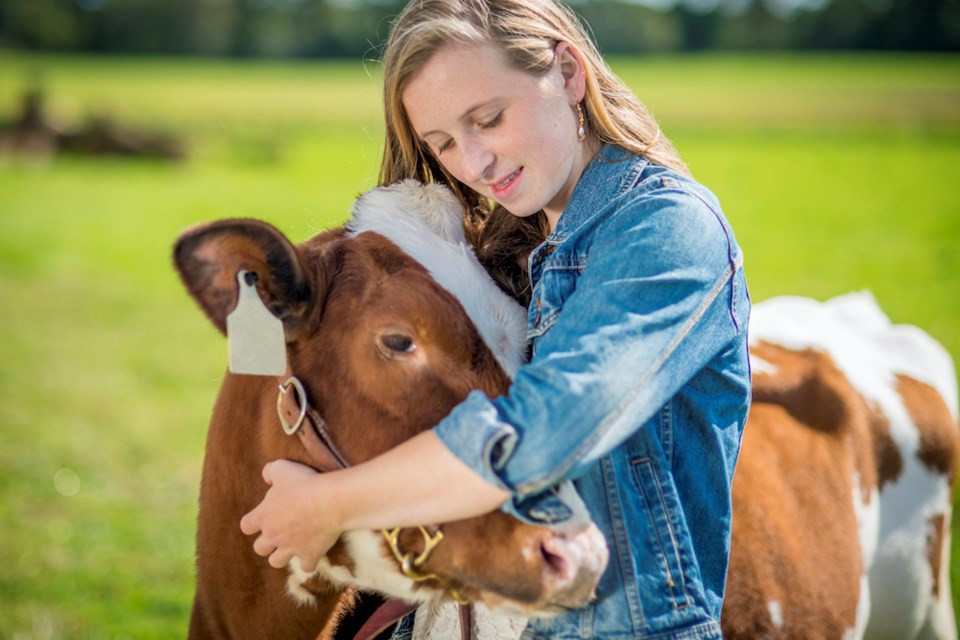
x: 490, y: 124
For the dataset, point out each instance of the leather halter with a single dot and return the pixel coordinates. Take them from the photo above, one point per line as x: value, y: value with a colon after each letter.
x: 294, y: 410
x: 298, y: 417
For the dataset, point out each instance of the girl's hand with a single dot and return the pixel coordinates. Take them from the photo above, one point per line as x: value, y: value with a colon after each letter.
x: 291, y: 519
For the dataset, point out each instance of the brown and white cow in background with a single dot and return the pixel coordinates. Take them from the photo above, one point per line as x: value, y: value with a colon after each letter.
x: 843, y: 492
x: 388, y: 324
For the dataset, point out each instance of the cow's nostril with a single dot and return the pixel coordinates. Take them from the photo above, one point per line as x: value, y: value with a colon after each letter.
x: 555, y: 561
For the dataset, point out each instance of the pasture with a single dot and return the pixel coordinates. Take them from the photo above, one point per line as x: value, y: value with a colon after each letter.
x: 839, y: 173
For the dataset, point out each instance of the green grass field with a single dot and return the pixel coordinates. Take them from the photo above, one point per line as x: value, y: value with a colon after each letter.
x: 839, y: 173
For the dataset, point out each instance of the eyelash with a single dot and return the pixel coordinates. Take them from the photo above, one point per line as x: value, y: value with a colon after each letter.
x: 493, y: 122
x: 489, y: 124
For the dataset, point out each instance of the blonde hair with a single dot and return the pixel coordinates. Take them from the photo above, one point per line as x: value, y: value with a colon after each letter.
x: 527, y: 31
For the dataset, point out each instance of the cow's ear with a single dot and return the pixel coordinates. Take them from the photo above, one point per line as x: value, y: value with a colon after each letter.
x: 210, y: 256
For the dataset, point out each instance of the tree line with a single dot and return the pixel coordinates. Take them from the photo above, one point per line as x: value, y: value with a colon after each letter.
x: 354, y: 28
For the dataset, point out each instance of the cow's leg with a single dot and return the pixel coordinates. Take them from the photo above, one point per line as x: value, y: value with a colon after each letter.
x: 941, y: 623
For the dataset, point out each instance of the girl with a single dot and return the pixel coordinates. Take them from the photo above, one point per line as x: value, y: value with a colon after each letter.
x: 638, y: 383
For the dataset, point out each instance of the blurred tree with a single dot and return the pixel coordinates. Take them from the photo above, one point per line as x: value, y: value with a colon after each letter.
x: 41, y: 24
x: 698, y: 27
x: 625, y: 27
x: 752, y: 25
x: 355, y: 28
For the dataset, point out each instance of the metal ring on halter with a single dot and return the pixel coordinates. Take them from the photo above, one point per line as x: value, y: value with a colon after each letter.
x: 409, y: 564
x: 288, y: 428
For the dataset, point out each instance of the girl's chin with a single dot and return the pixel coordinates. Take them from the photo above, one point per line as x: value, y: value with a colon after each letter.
x: 519, y: 211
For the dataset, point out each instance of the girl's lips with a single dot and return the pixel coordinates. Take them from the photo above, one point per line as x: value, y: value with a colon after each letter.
x: 501, y: 188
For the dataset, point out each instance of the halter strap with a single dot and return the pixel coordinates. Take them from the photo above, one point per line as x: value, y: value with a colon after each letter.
x: 298, y: 417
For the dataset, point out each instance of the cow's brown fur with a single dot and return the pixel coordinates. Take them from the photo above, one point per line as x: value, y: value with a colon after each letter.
x: 938, y: 446
x: 938, y: 451
x: 792, y: 544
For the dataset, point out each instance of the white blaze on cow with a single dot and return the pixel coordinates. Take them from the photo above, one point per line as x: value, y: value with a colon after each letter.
x: 425, y: 221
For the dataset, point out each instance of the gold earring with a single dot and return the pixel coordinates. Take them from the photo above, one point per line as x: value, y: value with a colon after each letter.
x: 582, y: 128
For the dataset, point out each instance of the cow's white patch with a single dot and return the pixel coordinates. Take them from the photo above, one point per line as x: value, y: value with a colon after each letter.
x: 942, y: 620
x: 759, y: 365
x: 871, y: 352
x: 295, y: 588
x: 866, y: 509
x: 862, y: 341
x: 775, y: 609
x: 425, y: 221
x: 901, y: 581
x: 863, y: 610
x: 375, y: 571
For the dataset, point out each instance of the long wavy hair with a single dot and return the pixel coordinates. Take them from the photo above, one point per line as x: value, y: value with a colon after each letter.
x: 527, y: 32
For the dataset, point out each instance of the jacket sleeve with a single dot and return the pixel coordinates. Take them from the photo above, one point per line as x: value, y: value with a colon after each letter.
x: 653, y: 305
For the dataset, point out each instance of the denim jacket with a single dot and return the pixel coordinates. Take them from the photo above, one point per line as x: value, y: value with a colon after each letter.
x: 638, y: 389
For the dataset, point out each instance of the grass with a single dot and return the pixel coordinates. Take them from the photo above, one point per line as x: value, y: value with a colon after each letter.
x: 838, y: 172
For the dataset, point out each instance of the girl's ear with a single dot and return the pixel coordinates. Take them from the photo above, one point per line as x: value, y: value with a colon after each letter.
x: 573, y: 69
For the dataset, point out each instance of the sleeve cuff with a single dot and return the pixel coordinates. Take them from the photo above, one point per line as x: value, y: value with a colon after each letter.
x: 475, y: 434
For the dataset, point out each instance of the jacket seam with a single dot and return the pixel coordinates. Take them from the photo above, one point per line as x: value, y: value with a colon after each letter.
x: 622, y: 541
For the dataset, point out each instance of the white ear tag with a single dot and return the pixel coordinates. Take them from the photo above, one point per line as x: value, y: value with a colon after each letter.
x: 255, y: 336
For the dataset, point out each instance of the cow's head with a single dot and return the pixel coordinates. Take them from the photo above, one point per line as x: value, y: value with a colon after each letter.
x: 384, y: 352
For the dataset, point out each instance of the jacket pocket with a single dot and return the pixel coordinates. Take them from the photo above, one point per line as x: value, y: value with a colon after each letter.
x: 663, y: 539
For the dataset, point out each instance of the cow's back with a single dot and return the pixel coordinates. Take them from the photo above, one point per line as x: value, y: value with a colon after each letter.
x: 843, y: 495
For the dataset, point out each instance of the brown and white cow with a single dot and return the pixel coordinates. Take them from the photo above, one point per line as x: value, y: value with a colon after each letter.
x: 843, y: 492
x: 388, y: 324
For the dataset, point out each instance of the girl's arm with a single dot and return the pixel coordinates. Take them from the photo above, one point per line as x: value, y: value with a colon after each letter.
x: 418, y: 482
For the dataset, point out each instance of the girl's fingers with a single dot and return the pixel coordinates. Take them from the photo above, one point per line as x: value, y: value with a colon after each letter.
x: 250, y: 523
x: 262, y: 547
x: 279, y: 559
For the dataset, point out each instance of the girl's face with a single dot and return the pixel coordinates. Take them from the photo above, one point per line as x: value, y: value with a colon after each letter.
x: 508, y: 135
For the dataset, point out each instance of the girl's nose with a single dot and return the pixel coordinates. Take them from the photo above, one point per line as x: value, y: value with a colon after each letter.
x: 477, y: 161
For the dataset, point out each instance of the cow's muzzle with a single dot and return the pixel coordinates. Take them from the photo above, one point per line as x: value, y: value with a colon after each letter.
x: 573, y: 564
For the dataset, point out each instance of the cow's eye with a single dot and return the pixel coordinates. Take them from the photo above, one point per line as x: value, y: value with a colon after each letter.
x: 398, y: 343
x: 395, y: 341
x: 394, y: 344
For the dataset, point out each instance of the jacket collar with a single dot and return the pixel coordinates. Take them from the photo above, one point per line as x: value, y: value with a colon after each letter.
x: 604, y: 178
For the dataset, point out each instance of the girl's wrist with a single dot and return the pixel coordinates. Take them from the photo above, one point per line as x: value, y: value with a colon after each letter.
x: 325, y: 503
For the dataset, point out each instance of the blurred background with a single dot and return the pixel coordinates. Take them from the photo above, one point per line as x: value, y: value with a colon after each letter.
x: 351, y: 28
x: 830, y: 130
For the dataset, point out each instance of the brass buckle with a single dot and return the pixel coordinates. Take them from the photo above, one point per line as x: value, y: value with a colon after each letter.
x: 288, y: 428
x: 409, y: 564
